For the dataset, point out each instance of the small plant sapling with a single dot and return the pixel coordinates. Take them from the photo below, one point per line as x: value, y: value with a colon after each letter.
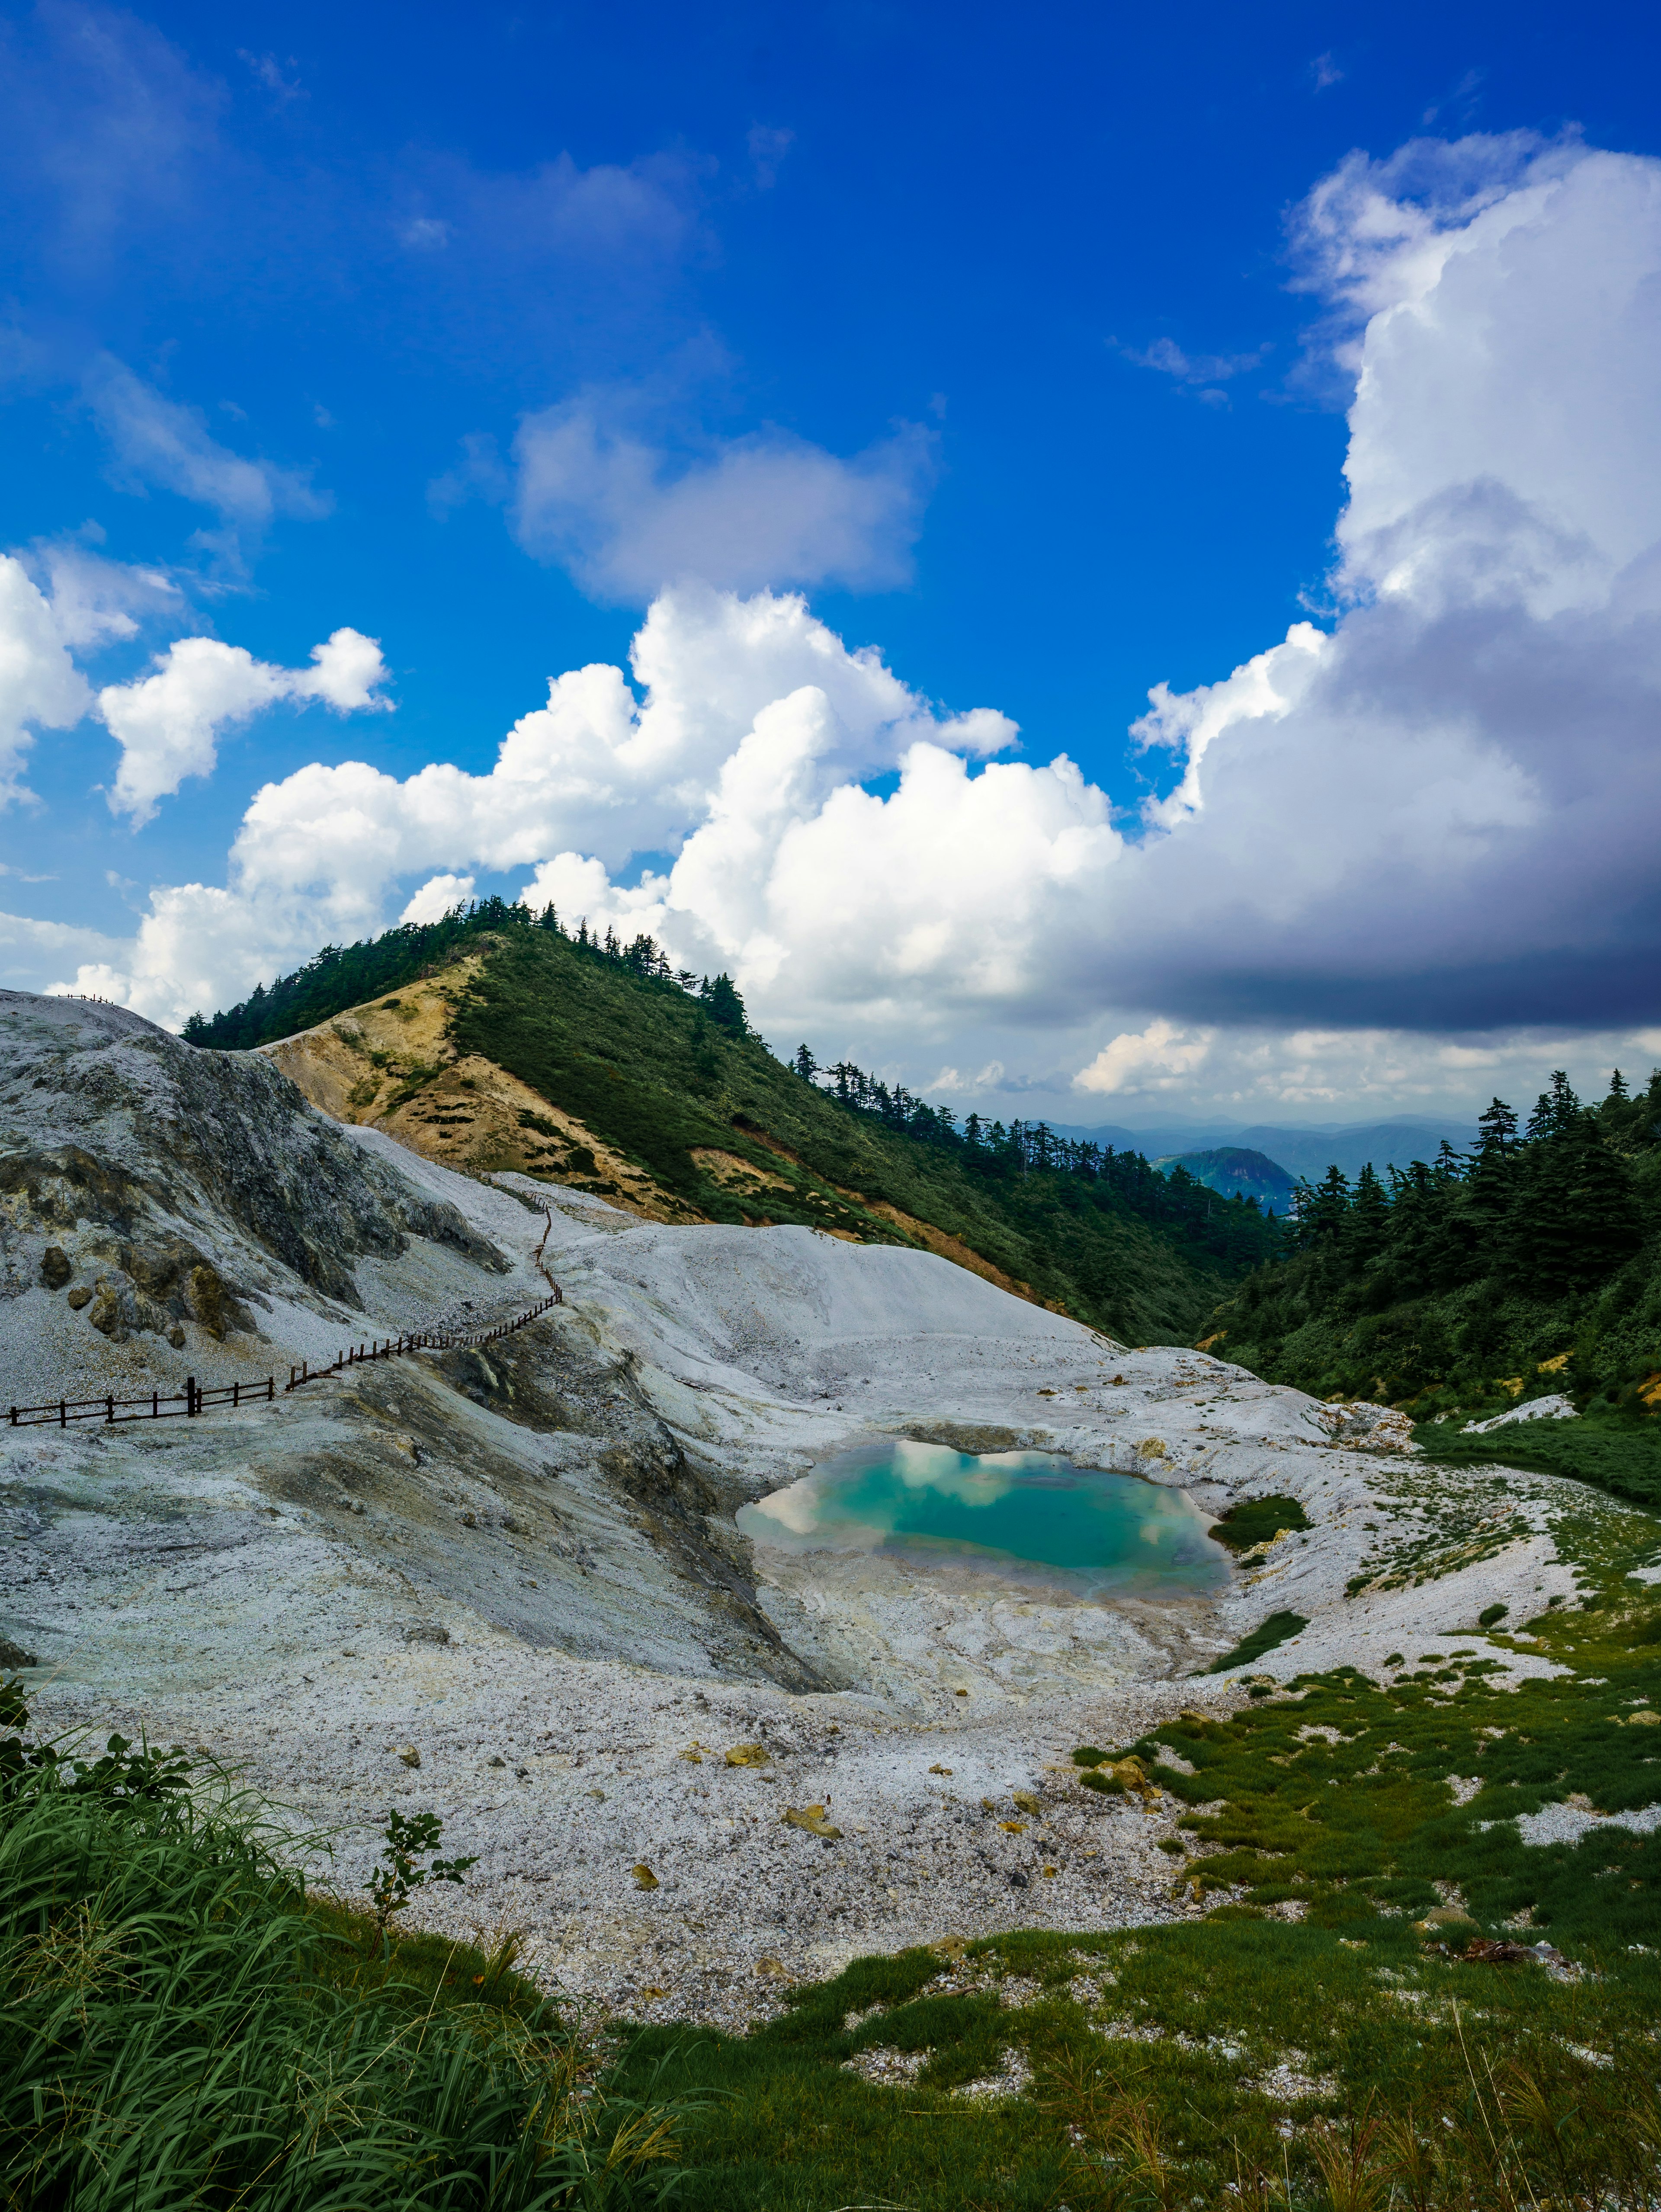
x: 397, y: 1872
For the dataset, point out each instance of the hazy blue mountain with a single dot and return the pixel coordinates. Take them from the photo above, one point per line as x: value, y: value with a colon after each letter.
x: 1394, y: 1143
x: 1301, y: 1148
x: 1235, y: 1170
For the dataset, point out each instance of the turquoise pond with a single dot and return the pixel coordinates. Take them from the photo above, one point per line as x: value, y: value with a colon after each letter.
x: 1027, y: 1513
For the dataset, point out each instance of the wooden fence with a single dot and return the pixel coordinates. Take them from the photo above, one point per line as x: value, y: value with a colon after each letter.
x: 193, y: 1399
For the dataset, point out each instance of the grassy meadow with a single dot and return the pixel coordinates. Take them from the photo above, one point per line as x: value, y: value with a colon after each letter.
x: 1355, y: 2011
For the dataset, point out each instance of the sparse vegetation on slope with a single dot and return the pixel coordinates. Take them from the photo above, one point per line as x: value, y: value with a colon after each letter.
x: 664, y: 1070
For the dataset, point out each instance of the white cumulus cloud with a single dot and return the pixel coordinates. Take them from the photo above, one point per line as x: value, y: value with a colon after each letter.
x: 1160, y: 1058
x: 1436, y: 815
x: 168, y: 724
x: 437, y: 896
x: 41, y: 687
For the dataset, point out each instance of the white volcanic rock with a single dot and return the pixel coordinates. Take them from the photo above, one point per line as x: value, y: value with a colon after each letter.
x: 559, y: 1506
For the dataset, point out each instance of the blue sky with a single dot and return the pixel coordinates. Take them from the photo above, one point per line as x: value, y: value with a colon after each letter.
x: 1002, y: 337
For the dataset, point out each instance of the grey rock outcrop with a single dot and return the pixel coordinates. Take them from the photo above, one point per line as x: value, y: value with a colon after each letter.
x: 128, y: 1154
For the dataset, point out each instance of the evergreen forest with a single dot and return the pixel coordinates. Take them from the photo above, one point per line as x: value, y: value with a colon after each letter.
x: 1477, y: 1282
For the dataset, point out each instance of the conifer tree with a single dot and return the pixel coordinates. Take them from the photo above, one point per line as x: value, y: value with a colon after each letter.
x: 724, y: 1006
x: 1368, y: 1224
x: 1555, y: 1109
x: 1575, y: 1219
x: 1499, y: 1129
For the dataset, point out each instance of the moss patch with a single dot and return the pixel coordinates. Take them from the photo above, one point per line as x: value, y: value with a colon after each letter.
x: 1253, y: 1521
x: 1280, y: 1628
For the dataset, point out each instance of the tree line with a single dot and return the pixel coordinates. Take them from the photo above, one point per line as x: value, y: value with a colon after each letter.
x: 1546, y: 1211
x: 1029, y: 1163
x: 1532, y: 1256
x: 1235, y: 1229
x: 340, y: 977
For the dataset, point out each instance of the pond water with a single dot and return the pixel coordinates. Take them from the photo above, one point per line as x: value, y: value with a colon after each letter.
x: 1031, y: 1513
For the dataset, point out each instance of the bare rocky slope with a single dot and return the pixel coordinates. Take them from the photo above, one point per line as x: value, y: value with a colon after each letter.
x: 505, y: 1584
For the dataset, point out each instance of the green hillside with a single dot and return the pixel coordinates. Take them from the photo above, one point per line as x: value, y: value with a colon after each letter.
x: 664, y: 1066
x: 1528, y: 1266
x: 1235, y: 1170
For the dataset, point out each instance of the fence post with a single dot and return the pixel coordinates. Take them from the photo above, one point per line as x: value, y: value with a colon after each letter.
x: 190, y: 1396
x: 271, y: 1389
x: 156, y: 1404
x: 62, y: 1413
x: 14, y: 1417
x: 237, y: 1394
x: 109, y: 1410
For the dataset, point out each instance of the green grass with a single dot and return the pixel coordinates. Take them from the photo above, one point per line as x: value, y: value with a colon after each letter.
x: 182, y: 2026
x: 1280, y: 1628
x: 1620, y: 1454
x: 1178, y: 2103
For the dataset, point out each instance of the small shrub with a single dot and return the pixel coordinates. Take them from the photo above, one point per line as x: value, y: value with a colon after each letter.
x: 400, y: 1873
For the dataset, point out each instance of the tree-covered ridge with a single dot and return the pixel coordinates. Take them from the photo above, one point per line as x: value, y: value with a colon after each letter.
x: 664, y: 1066
x: 1235, y: 1231
x: 1530, y: 1264
x: 342, y: 975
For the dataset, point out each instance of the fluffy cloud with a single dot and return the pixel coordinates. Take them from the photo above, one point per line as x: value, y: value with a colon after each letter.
x: 1159, y: 1059
x: 437, y: 896
x: 169, y: 723
x: 760, y: 511
x: 742, y: 704
x: 41, y: 686
x: 1441, y: 815
x: 1436, y: 816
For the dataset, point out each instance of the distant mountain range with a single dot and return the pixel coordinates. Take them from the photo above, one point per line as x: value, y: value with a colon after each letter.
x: 1235, y: 1170
x: 1306, y: 1149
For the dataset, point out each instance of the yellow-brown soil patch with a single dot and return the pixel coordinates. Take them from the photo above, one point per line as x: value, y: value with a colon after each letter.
x: 733, y: 1173
x: 389, y: 1065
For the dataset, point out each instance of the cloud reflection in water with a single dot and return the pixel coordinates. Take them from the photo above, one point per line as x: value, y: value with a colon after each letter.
x: 1018, y: 1512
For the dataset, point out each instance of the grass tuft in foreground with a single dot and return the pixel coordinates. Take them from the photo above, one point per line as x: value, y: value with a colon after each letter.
x: 181, y: 2026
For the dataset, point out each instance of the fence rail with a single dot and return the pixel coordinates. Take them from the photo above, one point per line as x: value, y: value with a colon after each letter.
x: 194, y: 1398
